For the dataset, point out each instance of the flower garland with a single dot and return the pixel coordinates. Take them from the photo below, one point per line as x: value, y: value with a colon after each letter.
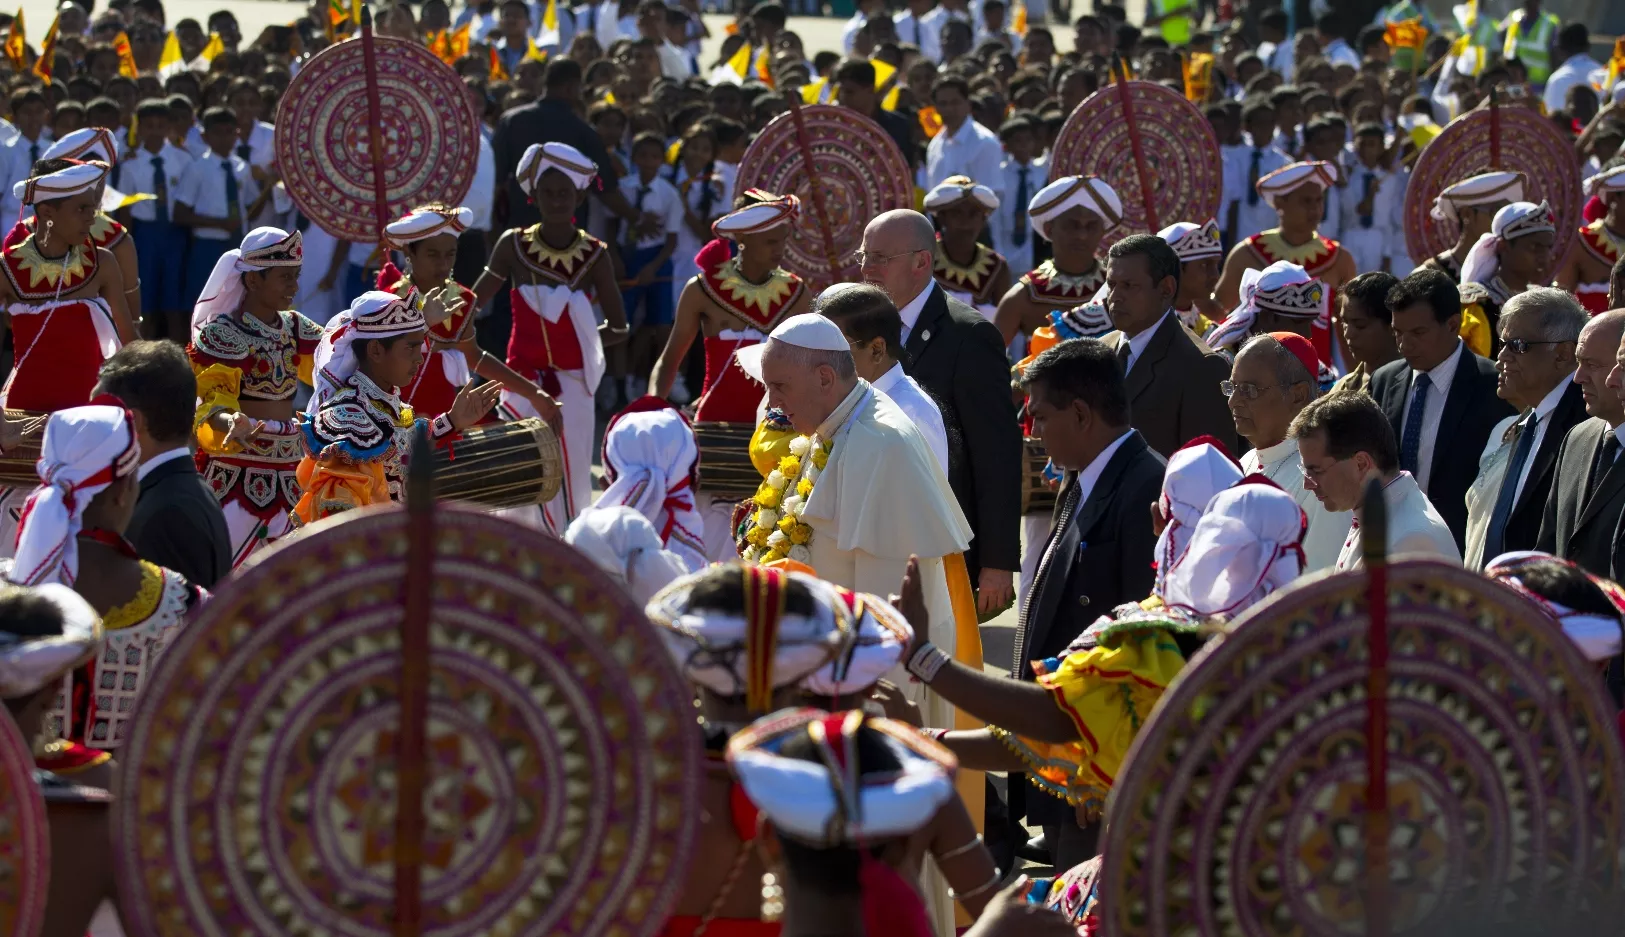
x: 776, y: 529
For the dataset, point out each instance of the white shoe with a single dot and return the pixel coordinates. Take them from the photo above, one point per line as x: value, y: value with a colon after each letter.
x: 679, y: 391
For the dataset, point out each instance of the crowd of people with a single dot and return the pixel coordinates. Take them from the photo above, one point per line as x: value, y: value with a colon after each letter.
x: 1132, y: 436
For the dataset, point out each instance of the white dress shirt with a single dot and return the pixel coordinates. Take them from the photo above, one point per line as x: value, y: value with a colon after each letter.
x: 1543, y: 416
x: 1370, y: 246
x: 674, y: 62
x: 1414, y: 528
x: 168, y: 455
x: 1282, y: 463
x: 913, y: 400
x: 1137, y: 343
x: 1252, y: 215
x: 1092, y: 472
x: 910, y: 313
x: 16, y: 164
x: 136, y: 175
x: 972, y: 151
x: 849, y: 32
x: 1339, y: 52
x: 924, y: 31
x: 203, y: 186
x: 1432, y: 411
x: 1012, y: 213
x: 662, y: 201
x: 482, y: 192
x: 1576, y: 71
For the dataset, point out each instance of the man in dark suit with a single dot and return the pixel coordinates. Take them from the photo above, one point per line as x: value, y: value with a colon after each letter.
x: 1439, y: 397
x: 1539, y: 331
x: 855, y: 80
x: 1172, y: 379
x: 177, y: 522
x: 1587, y: 497
x: 956, y: 354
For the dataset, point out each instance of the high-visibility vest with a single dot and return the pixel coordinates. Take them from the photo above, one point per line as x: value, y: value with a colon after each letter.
x: 1176, y: 22
x: 1532, y: 47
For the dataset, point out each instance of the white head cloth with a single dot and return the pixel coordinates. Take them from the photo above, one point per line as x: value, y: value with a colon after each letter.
x: 648, y: 460
x: 425, y: 223
x: 624, y: 544
x: 1605, y: 182
x: 374, y: 314
x: 1248, y: 543
x: 772, y: 211
x: 29, y: 664
x: 807, y: 330
x: 1282, y: 287
x: 64, y: 183
x: 85, y: 449
x: 1483, y: 189
x: 541, y: 157
x: 1597, y: 636
x: 1511, y: 222
x: 957, y: 188
x: 880, y: 636
x: 1195, y: 473
x: 830, y: 802
x: 263, y: 249
x: 1272, y: 186
x: 1068, y: 192
x: 1194, y: 241
x: 85, y: 144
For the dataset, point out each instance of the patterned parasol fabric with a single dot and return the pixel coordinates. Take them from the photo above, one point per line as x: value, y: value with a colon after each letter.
x: 859, y: 173
x: 1528, y: 143
x: 561, y: 768
x: 429, y: 132
x: 1240, y: 810
x: 25, y: 839
x: 1182, y: 163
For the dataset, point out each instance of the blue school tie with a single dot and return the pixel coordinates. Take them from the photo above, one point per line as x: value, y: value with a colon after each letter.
x: 1018, y: 237
x: 233, y: 205
x: 160, y: 188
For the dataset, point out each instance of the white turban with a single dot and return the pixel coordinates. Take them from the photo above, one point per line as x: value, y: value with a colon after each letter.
x: 31, y: 663
x: 1248, y: 543
x: 425, y: 223
x: 1282, y: 287
x: 263, y: 249
x: 85, y: 144
x: 821, y: 807
x: 541, y: 157
x: 85, y: 450
x: 648, y: 460
x: 806, y: 330
x: 1597, y: 636
x: 1195, y: 473
x: 880, y: 636
x: 374, y: 314
x: 957, y: 188
x: 1068, y: 192
x: 1511, y: 222
x: 1291, y: 178
x: 1483, y: 189
x: 1605, y: 182
x: 1193, y: 241
x: 768, y: 213
x: 624, y: 544
x: 64, y: 183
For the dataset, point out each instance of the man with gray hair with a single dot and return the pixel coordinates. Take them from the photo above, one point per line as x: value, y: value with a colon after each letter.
x: 1539, y: 328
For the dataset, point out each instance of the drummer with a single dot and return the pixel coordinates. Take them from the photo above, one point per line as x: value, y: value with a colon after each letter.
x: 555, y: 269
x: 734, y: 301
x: 1200, y: 252
x: 356, y: 431
x: 1074, y: 213
x: 1298, y: 194
x: 966, y: 269
x: 1471, y: 205
x: 251, y: 352
x: 1586, y: 272
x: 427, y: 238
x: 1515, y: 254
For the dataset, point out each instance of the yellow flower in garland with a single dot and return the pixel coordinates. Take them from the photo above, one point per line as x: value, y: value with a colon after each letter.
x: 820, y: 456
x: 804, y: 488
x: 790, y: 466
x: 777, y: 530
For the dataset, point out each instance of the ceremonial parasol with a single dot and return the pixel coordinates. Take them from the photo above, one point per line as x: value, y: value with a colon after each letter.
x: 1149, y: 144
x: 845, y: 169
x: 25, y: 839
x: 410, y: 721
x: 360, y: 97
x: 1493, y: 138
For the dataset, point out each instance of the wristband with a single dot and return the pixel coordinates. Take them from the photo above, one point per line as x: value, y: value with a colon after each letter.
x: 986, y: 886
x: 928, y: 661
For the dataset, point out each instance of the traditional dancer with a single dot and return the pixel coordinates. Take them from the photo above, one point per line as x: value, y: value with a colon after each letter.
x: 356, y: 431
x: 649, y: 458
x: 96, y: 144
x: 1471, y: 205
x: 625, y: 545
x: 966, y: 269
x: 553, y: 265
x: 1200, y: 254
x: 1298, y: 193
x: 1282, y: 297
x: 1515, y: 254
x: 1586, y: 272
x: 1074, y: 213
x: 250, y: 352
x: 427, y: 237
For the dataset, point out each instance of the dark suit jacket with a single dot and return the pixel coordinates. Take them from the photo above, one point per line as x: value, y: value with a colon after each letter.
x: 177, y: 523
x: 1102, y: 550
x: 1523, y: 526
x: 1580, y: 521
x: 958, y: 355
x: 1471, y: 410
x: 1173, y: 390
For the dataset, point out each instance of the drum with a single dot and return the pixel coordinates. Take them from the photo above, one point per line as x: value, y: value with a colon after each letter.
x: 725, y: 471
x: 501, y: 465
x: 1037, y: 497
x: 17, y: 463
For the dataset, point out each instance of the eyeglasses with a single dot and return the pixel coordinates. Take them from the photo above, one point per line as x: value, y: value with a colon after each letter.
x: 1315, y: 474
x: 867, y: 259
x: 1247, y: 391
x: 1520, y: 346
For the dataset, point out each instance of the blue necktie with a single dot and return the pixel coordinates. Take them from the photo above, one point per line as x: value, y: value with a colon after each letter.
x: 1412, y: 443
x: 1495, y: 536
x: 1252, y: 176
x: 1369, y: 183
x: 160, y: 188
x: 1018, y: 237
x: 233, y: 200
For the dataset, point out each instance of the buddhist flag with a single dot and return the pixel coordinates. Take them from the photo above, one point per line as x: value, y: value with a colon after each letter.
x: 47, y: 54
x: 17, y: 44
x: 126, y: 56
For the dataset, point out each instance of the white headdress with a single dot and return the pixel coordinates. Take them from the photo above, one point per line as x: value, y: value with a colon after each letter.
x: 84, y: 144
x: 1195, y: 473
x: 1291, y: 178
x: 1248, y: 543
x: 541, y: 157
x: 1609, y: 180
x: 425, y: 223
x: 29, y: 664
x: 807, y: 330
x: 374, y: 314
x: 1068, y: 192
x: 769, y: 212
x: 1598, y: 636
x: 880, y: 636
x: 263, y: 249
x: 624, y: 544
x: 1511, y: 222
x: 648, y: 459
x: 1194, y: 241
x: 1486, y: 188
x: 1282, y: 287
x: 85, y: 449
x: 955, y: 189
x: 64, y: 183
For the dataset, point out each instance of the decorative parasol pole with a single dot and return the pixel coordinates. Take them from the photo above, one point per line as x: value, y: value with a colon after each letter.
x: 1374, y: 544
x: 1495, y: 129
x: 813, y: 188
x: 411, y: 771
x: 1120, y: 79
x: 375, y: 133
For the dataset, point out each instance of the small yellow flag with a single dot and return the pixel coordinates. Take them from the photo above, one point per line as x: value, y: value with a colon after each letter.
x: 214, y: 48
x: 550, y: 16
x: 126, y: 55
x: 17, y: 44
x: 47, y: 54
x: 533, y: 54
x: 740, y: 63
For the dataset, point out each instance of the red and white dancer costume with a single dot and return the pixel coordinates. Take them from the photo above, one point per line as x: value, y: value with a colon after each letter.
x: 1596, y: 240
x: 239, y: 357
x: 1317, y: 255
x: 85, y: 145
x: 445, y: 370
x: 974, y: 284
x: 649, y: 459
